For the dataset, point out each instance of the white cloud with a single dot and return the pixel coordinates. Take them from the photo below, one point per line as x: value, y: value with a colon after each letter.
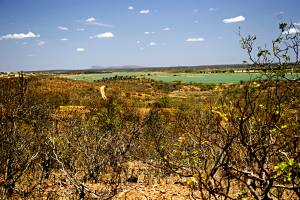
x: 152, y: 44
x: 63, y: 28
x: 80, y: 29
x: 103, y: 35
x: 138, y: 42
x: 144, y: 12
x: 166, y: 29
x: 19, y: 36
x: 64, y: 39
x: 281, y: 12
x: 41, y: 43
x: 93, y: 21
x: 297, y: 23
x: 196, y: 21
x: 291, y: 31
x: 212, y: 9
x: 130, y: 8
x: 80, y: 49
x: 30, y: 55
x: 234, y: 19
x: 196, y: 10
x: 195, y: 39
x: 149, y: 33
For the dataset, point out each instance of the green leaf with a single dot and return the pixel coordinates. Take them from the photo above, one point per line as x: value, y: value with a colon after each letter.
x: 259, y: 54
x: 282, y: 26
x: 278, y: 40
x: 283, y: 166
x: 291, y: 162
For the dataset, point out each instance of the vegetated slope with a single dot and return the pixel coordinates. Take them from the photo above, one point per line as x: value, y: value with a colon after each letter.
x: 61, y: 139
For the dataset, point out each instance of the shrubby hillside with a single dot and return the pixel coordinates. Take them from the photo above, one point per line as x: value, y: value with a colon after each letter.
x: 62, y: 139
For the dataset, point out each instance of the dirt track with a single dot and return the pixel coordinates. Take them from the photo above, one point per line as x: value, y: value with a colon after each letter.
x: 102, y: 91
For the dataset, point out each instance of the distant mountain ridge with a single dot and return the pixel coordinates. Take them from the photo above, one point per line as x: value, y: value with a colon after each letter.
x: 118, y: 67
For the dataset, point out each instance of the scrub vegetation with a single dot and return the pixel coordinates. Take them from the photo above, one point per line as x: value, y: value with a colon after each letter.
x: 61, y: 139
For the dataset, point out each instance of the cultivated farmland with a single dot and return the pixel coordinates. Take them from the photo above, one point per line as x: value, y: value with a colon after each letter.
x: 205, y: 78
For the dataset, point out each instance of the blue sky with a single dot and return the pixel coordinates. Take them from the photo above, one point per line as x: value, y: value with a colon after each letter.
x: 72, y: 34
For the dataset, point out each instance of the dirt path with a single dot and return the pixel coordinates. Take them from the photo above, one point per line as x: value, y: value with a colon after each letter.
x: 102, y: 91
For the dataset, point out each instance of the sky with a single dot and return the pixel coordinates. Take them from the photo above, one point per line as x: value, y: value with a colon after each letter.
x: 78, y: 34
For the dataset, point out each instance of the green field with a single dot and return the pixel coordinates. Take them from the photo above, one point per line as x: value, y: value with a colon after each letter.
x: 208, y: 78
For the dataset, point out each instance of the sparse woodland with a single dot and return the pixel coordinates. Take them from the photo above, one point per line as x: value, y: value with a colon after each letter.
x: 60, y: 140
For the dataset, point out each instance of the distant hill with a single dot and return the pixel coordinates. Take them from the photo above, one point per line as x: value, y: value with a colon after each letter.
x: 118, y: 67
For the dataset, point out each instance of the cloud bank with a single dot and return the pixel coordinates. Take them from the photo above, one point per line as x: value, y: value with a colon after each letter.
x: 144, y: 12
x: 19, y: 36
x: 93, y: 21
x: 149, y: 33
x: 63, y: 28
x: 80, y: 49
x: 152, y: 44
x: 291, y: 31
x: 234, y: 19
x: 103, y: 35
x: 200, y: 39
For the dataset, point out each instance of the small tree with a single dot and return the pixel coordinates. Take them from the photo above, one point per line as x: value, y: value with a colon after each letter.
x: 283, y: 57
